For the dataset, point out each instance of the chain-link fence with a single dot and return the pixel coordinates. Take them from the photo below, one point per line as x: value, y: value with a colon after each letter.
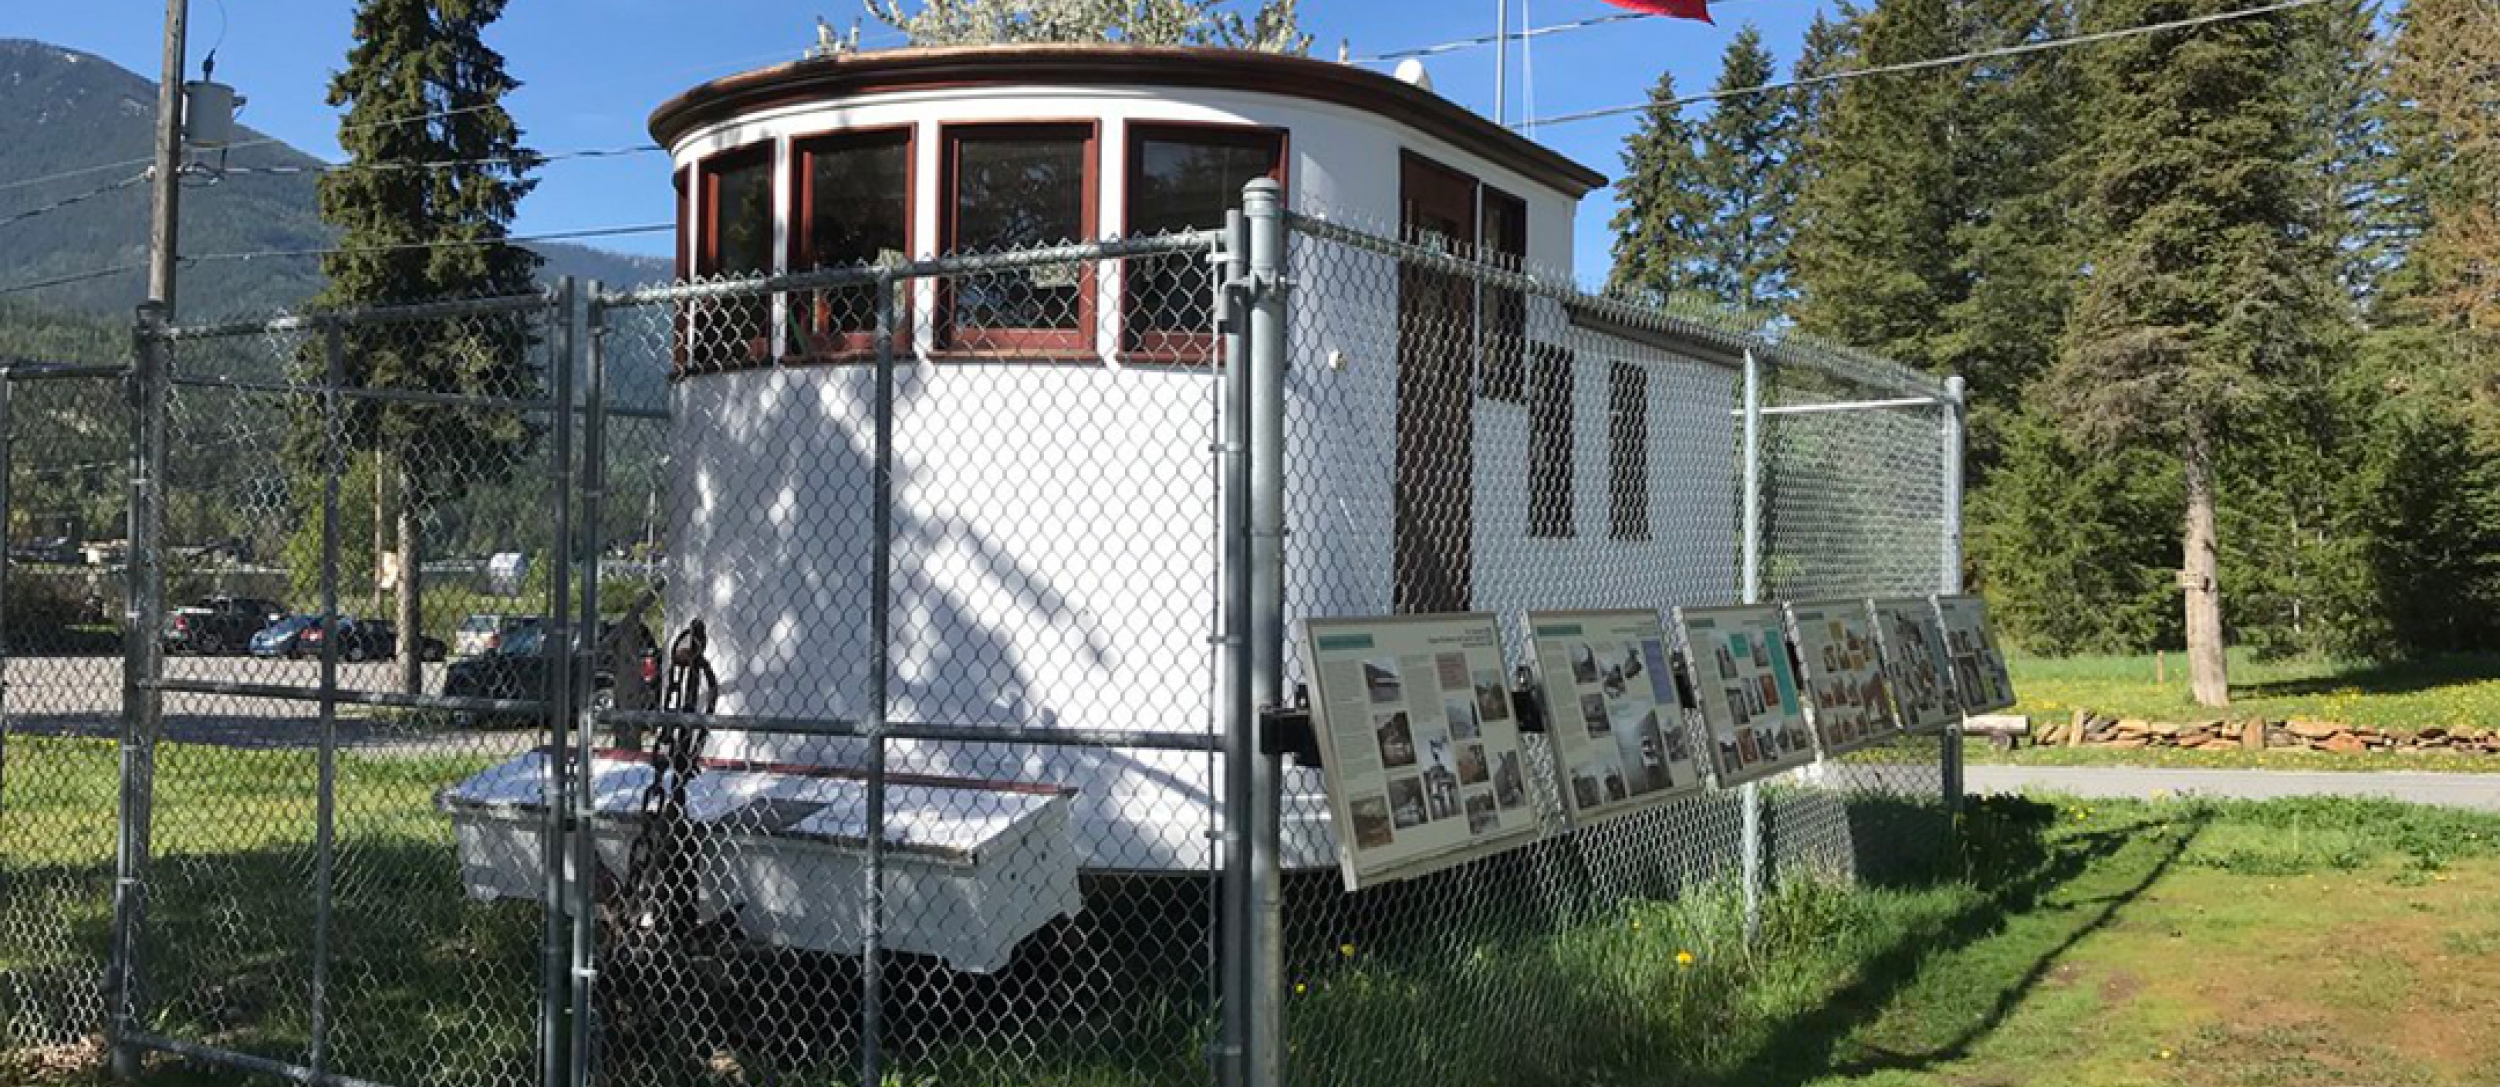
x: 849, y: 676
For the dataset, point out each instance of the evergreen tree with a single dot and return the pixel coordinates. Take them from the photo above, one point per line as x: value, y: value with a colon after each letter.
x: 421, y: 88
x: 2441, y: 76
x: 2203, y: 284
x: 1829, y: 42
x: 1874, y: 247
x: 1744, y: 170
x: 1661, y: 210
x: 1274, y: 28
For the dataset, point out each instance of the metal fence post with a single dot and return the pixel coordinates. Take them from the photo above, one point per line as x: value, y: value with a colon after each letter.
x: 584, y: 861
x: 880, y: 634
x: 325, y: 809
x: 1236, y: 979
x: 1750, y: 547
x: 8, y: 468
x: 1264, y: 428
x: 555, y: 975
x: 142, y: 666
x: 1949, y: 571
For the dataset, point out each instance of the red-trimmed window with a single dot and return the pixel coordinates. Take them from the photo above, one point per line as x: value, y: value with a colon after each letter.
x: 1185, y: 177
x: 852, y: 207
x: 1009, y: 187
x: 734, y: 239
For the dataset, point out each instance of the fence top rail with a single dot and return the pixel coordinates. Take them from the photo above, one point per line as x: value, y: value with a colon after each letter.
x: 35, y: 370
x: 1718, y: 336
x: 352, y: 316
x: 1007, y: 260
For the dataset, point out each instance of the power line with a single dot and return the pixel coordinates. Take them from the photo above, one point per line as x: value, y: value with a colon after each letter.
x: 264, y: 141
x: 1441, y: 48
x: 1937, y: 62
x: 529, y: 159
x: 74, y: 201
x: 556, y: 236
x: 281, y: 254
x: 74, y: 277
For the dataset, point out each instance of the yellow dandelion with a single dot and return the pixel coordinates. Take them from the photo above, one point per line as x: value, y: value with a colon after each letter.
x: 1300, y: 988
x: 1684, y: 958
x: 2166, y: 1054
x: 1346, y: 950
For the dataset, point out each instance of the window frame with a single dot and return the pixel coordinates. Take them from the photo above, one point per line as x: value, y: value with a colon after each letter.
x: 705, y: 253
x: 1077, y: 341
x: 845, y: 346
x: 1172, y: 345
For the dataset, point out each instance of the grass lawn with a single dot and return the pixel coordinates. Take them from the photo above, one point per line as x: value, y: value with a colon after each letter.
x: 2447, y: 692
x: 2177, y: 943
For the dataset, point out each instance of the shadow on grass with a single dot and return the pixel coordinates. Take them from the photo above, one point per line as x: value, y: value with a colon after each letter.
x: 2394, y: 677
x: 1812, y: 1046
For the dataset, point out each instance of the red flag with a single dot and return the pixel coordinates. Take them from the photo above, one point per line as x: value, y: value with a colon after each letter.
x: 1673, y: 9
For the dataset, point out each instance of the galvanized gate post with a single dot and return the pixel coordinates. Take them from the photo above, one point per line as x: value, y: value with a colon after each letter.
x: 880, y: 634
x: 1750, y: 553
x: 582, y: 869
x: 1264, y: 428
x: 1949, y: 571
x: 561, y: 786
x: 142, y: 667
x: 8, y: 467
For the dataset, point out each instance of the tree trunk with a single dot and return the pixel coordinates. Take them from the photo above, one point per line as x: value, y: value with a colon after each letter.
x: 2208, y: 674
x: 411, y: 565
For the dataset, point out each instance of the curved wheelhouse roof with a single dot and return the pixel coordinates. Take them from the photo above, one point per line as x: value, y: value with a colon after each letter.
x: 861, y: 74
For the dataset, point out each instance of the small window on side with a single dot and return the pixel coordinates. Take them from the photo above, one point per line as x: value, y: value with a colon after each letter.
x: 1013, y: 187
x: 1627, y: 450
x: 1505, y: 327
x: 1549, y: 442
x: 1181, y: 178
x: 735, y: 240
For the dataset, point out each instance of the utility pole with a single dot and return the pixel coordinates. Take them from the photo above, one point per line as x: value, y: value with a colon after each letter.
x: 162, y: 234
x: 1501, y: 62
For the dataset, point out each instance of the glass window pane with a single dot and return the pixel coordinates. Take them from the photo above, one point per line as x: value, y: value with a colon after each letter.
x: 1185, y: 185
x: 1019, y: 189
x: 1185, y: 181
x: 858, y: 194
x: 743, y: 193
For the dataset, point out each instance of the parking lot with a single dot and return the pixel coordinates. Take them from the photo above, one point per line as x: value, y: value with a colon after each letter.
x: 82, y: 696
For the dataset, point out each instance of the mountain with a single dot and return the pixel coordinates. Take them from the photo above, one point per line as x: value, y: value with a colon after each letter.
x: 64, y: 110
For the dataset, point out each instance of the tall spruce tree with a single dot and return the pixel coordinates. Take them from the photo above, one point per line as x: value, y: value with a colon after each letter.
x: 1745, y: 170
x: 2202, y: 287
x: 435, y: 172
x: 1874, y: 245
x: 1662, y: 211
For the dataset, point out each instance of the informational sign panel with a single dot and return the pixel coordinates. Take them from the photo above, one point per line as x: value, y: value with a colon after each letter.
x: 1844, y: 676
x: 1619, y: 737
x: 1747, y: 690
x: 1914, y: 664
x: 1980, y: 680
x: 1421, y: 748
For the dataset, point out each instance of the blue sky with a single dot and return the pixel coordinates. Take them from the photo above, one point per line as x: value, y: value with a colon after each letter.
x: 594, y: 69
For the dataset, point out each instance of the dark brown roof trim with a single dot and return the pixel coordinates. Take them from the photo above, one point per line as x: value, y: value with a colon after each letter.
x: 860, y: 74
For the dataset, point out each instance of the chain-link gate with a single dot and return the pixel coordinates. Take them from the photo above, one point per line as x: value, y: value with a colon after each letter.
x: 846, y: 677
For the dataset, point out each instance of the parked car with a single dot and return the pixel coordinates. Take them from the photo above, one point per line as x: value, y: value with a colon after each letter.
x: 373, y: 639
x: 484, y: 633
x: 517, y: 668
x: 286, y: 637
x: 219, y: 624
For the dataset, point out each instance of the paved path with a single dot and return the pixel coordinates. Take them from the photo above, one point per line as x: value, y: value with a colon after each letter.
x: 2454, y: 790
